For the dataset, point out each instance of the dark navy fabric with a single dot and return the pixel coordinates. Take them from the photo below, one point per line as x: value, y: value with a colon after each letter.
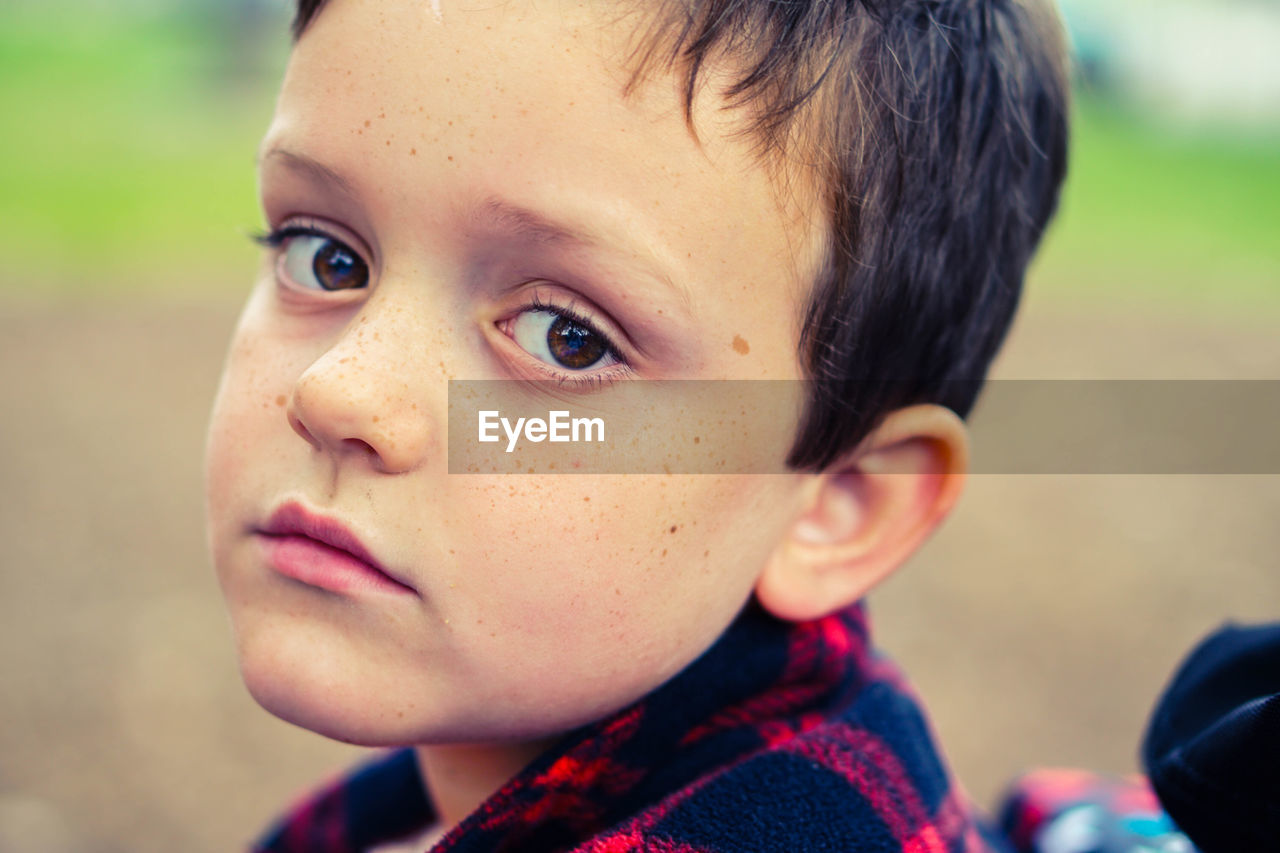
x: 1212, y: 749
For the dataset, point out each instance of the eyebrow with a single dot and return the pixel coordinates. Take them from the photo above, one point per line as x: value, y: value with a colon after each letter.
x: 533, y: 226
x: 499, y: 214
x: 311, y: 168
x: 524, y: 223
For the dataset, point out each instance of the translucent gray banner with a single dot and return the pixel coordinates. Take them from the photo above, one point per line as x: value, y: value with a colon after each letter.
x: 747, y: 427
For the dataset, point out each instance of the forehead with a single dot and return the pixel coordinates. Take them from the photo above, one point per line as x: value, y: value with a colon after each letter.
x: 523, y: 104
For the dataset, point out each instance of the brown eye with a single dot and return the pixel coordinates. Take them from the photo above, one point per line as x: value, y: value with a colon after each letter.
x: 573, y: 346
x: 317, y: 262
x: 338, y: 268
x: 561, y: 341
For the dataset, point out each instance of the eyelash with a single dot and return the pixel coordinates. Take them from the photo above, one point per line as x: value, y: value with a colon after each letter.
x: 276, y: 238
x: 581, y: 381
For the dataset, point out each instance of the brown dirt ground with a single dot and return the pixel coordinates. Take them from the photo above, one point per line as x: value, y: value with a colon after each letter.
x: 1039, y: 625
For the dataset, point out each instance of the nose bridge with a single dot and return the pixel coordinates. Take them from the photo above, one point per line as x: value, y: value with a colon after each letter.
x: 365, y: 395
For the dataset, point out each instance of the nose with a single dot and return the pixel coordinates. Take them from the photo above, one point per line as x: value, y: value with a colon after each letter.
x: 364, y: 400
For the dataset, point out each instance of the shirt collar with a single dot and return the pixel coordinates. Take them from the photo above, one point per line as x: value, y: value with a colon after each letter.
x: 763, y: 681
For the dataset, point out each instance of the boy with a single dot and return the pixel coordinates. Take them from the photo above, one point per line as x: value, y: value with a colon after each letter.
x: 595, y: 194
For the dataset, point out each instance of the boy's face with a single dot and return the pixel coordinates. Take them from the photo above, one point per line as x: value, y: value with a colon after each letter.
x: 489, y: 173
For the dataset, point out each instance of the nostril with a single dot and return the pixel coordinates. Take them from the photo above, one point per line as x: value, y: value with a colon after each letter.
x: 358, y: 445
x: 381, y: 454
x: 301, y: 429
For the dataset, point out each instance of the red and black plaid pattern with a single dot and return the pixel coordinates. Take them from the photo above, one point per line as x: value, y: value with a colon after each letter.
x: 781, y: 737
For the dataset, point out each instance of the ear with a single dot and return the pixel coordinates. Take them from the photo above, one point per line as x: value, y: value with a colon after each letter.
x: 866, y: 513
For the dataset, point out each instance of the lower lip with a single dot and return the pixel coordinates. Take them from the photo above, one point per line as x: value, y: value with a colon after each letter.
x: 319, y: 565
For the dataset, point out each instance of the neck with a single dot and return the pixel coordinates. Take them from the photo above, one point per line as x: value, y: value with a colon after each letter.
x: 764, y: 681
x: 460, y: 777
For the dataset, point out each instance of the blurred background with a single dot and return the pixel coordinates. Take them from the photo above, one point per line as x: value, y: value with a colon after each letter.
x: 1039, y: 625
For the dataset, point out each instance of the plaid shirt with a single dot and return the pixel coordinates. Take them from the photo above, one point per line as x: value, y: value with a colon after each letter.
x: 781, y: 737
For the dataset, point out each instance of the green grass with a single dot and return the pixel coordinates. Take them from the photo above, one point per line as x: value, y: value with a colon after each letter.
x: 126, y: 157
x: 126, y: 162
x: 1153, y: 212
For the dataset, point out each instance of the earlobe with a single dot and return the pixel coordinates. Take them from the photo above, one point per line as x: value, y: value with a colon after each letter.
x: 867, y: 514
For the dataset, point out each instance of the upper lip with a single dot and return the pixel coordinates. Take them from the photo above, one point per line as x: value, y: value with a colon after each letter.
x: 293, y: 519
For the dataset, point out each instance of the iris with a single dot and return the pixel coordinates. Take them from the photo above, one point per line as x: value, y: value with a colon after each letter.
x: 336, y: 267
x: 574, y: 345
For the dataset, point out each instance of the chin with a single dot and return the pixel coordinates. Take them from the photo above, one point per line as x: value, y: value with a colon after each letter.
x: 315, y: 714
x: 323, y: 690
x: 294, y: 698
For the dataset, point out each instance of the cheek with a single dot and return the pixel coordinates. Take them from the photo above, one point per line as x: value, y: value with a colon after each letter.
x: 602, y: 572
x: 247, y: 420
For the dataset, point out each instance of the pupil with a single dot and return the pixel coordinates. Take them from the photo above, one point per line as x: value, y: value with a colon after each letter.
x: 337, y: 268
x: 574, y: 346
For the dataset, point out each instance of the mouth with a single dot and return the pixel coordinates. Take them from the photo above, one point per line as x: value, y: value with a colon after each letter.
x: 322, y: 552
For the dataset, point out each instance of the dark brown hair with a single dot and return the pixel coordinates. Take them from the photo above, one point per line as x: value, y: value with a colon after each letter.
x: 938, y: 132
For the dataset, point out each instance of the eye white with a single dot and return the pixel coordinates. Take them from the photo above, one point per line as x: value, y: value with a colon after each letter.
x: 530, y: 330
x: 298, y: 260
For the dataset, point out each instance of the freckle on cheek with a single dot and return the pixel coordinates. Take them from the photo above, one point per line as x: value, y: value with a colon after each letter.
x: 740, y: 345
